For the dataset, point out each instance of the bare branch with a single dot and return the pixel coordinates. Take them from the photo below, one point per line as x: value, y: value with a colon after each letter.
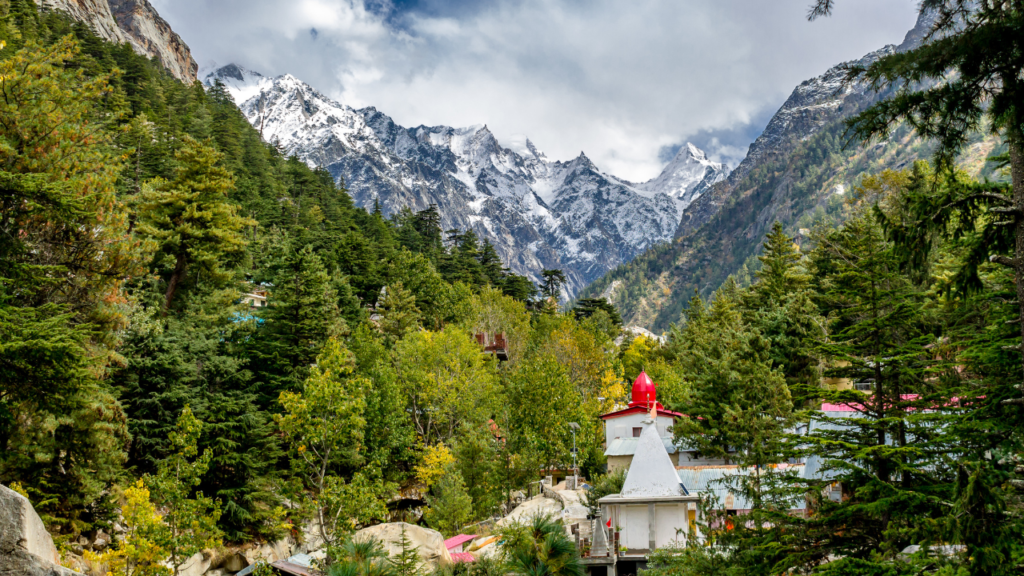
x: 1004, y: 260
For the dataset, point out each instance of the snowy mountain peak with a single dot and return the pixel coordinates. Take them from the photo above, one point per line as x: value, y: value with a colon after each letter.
x: 240, y: 83
x: 537, y: 213
x: 686, y: 177
x: 535, y: 151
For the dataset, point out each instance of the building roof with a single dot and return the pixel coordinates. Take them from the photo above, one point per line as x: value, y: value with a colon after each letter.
x: 715, y: 480
x: 627, y: 446
x: 651, y: 473
x: 458, y: 557
x: 639, y: 410
x: 458, y: 540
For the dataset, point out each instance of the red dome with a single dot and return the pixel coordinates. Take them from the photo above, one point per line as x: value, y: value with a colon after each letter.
x: 644, y: 391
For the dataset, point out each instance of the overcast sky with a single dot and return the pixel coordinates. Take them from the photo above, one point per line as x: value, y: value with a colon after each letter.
x: 625, y: 81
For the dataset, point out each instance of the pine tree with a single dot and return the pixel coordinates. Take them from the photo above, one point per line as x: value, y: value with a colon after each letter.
x: 889, y: 455
x: 191, y: 221
x: 490, y: 263
x: 302, y: 316
x: 399, y: 314
x: 65, y: 251
x: 965, y: 77
x: 553, y: 282
x: 780, y: 304
x: 738, y: 401
x: 407, y: 562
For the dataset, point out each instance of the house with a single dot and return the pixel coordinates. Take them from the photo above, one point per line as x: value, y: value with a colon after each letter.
x: 653, y: 509
x: 622, y: 429
x: 255, y: 299
x: 493, y: 344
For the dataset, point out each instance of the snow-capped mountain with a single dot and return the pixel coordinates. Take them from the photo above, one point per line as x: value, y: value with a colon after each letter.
x: 538, y: 213
x: 689, y: 175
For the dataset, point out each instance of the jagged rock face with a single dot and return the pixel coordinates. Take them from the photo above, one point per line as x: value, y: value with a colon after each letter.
x: 538, y: 213
x: 135, y: 22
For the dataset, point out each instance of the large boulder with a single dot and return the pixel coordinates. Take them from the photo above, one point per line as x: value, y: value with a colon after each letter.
x: 430, y: 542
x: 26, y: 548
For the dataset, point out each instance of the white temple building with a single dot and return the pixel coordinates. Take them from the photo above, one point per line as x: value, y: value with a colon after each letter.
x: 653, y: 510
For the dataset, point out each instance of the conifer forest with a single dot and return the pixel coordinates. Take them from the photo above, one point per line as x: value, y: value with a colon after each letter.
x: 206, y: 345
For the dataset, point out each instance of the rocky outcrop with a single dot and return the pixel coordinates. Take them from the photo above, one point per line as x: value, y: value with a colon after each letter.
x: 26, y: 548
x: 137, y: 23
x: 430, y: 542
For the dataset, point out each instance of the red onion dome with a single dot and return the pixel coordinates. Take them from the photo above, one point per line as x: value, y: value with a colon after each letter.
x: 644, y: 391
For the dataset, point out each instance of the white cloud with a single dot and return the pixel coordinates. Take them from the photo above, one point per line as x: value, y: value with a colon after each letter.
x: 618, y: 80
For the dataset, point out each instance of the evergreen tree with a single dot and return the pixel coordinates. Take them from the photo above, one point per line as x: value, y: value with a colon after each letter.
x: 890, y: 454
x: 780, y: 304
x: 586, y: 307
x: 491, y: 264
x: 190, y: 517
x: 65, y: 250
x: 449, y: 505
x: 191, y: 221
x: 399, y: 314
x: 407, y: 562
x: 302, y: 316
x: 737, y: 401
x: 553, y: 282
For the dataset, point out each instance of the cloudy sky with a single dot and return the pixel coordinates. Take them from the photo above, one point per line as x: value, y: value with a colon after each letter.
x: 625, y: 81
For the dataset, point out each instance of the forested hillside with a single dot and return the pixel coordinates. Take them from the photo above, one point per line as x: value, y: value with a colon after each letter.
x: 177, y: 294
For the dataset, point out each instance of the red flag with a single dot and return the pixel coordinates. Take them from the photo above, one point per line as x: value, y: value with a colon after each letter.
x: 608, y: 523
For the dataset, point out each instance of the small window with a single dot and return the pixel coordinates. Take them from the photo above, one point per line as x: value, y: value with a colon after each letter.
x: 636, y: 432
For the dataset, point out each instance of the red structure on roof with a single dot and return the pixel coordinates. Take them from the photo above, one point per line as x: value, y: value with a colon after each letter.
x: 645, y: 393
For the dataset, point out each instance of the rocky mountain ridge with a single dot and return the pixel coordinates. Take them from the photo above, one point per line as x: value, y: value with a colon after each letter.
x: 538, y: 213
x: 796, y: 173
x: 133, y: 22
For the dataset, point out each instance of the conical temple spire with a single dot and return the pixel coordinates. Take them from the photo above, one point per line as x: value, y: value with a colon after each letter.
x: 651, y: 473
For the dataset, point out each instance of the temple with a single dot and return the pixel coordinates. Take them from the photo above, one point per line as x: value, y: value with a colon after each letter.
x: 622, y: 429
x: 652, y: 511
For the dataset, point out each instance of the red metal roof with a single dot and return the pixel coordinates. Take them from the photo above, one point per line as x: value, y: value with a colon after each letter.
x: 638, y: 409
x: 458, y: 557
x: 458, y: 540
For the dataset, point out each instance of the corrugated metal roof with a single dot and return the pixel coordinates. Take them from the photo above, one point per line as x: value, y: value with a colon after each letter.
x: 459, y: 557
x: 457, y: 540
x: 716, y: 480
x: 627, y: 446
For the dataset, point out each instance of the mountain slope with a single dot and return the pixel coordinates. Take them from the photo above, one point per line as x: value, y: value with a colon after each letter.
x: 796, y: 173
x: 133, y: 22
x: 538, y: 213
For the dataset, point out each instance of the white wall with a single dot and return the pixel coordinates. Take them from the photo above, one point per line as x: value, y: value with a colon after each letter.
x: 622, y: 427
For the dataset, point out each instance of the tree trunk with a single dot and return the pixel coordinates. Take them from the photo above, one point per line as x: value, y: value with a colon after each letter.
x: 1017, y: 179
x: 176, y: 276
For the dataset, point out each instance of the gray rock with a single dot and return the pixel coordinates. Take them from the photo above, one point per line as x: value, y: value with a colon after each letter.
x: 102, y: 540
x: 235, y: 563
x: 26, y: 548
